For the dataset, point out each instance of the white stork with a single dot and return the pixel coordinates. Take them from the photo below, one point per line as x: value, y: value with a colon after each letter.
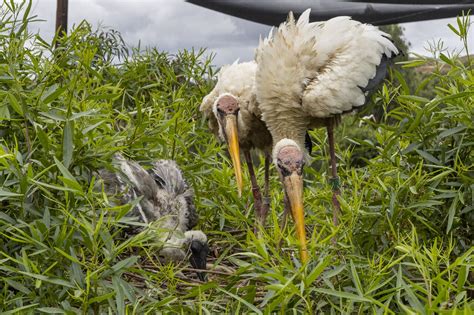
x: 166, y: 199
x: 309, y: 74
x: 234, y: 117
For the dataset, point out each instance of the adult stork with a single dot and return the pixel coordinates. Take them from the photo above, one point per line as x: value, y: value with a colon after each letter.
x: 234, y: 116
x: 308, y: 75
x: 165, y: 199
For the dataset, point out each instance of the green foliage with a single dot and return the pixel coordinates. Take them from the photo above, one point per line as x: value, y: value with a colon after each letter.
x: 404, y: 243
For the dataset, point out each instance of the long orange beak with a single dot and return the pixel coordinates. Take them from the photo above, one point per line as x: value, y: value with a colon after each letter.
x: 233, y: 142
x: 293, y: 185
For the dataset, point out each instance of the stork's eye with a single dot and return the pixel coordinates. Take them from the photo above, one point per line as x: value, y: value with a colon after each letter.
x: 220, y: 111
x: 283, y: 169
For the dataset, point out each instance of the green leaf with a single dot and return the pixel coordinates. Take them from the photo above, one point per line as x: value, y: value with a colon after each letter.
x: 100, y: 298
x: 6, y: 193
x: 92, y: 127
x: 428, y: 157
x: 64, y: 170
x: 344, y: 295
x: 335, y: 271
x: 51, y: 310
x: 455, y: 31
x: 4, y: 113
x: 314, y: 274
x: 19, y: 310
x: 67, y: 255
x: 451, y: 213
x: 451, y: 131
x: 88, y: 113
x: 52, y: 93
x: 57, y: 281
x: 68, y: 145
x: 446, y: 59
x: 414, y: 98
x: 71, y: 183
x: 238, y: 298
x: 54, y: 115
x: 356, y: 279
x: 412, y: 63
x: 18, y: 286
x: 51, y: 186
x: 15, y: 104
x: 462, y: 277
x: 120, y: 296
x: 124, y: 264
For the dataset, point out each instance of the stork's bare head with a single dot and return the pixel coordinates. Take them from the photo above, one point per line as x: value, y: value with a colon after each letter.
x: 289, y: 159
x: 226, y: 110
x: 227, y: 104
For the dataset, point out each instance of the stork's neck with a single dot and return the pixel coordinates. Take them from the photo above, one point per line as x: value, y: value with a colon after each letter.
x: 286, y: 122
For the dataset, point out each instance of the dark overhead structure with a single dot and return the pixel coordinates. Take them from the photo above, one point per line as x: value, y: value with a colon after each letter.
x: 377, y: 12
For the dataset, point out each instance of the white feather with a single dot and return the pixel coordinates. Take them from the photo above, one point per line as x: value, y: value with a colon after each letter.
x: 280, y: 145
x: 310, y: 71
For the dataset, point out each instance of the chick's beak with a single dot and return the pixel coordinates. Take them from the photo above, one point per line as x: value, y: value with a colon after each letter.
x: 198, y: 259
x: 232, y: 137
x: 293, y: 185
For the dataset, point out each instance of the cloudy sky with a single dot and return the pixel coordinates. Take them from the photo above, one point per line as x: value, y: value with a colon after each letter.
x: 174, y: 24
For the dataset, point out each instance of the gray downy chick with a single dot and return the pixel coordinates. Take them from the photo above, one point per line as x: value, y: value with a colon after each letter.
x: 166, y: 199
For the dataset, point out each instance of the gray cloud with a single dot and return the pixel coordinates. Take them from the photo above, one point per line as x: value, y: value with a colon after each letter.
x: 421, y: 34
x: 174, y: 24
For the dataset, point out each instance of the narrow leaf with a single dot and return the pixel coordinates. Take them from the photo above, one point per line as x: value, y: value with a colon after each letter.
x: 124, y: 264
x: 344, y: 295
x: 52, y: 93
x: 451, y: 131
x: 428, y: 156
x: 68, y: 145
x: 15, y: 104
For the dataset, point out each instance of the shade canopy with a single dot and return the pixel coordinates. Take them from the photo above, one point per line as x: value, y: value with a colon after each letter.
x: 377, y: 12
x: 415, y: 1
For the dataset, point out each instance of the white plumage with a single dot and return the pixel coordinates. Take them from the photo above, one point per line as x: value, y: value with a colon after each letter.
x: 234, y: 116
x: 311, y: 71
x: 238, y: 80
x: 308, y: 74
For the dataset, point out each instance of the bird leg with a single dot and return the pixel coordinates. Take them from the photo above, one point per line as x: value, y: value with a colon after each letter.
x: 257, y: 195
x: 335, y: 179
x: 266, y: 190
x: 284, y: 219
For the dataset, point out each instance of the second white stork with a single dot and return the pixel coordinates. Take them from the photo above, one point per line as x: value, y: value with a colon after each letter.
x: 309, y: 74
x: 233, y: 114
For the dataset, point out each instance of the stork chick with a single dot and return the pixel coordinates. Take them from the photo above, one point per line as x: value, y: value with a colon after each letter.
x: 234, y: 117
x: 165, y: 199
x: 309, y: 74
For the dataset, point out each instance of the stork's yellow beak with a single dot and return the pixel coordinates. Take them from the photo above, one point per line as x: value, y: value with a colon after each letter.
x: 233, y: 142
x: 293, y: 185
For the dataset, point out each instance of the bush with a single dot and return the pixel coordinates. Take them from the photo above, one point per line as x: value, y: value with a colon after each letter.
x: 404, y: 243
